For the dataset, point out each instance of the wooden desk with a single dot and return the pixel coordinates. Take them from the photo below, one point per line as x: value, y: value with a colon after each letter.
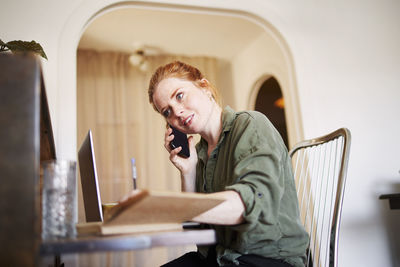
x: 127, y: 242
x: 394, y: 200
x: 89, y: 244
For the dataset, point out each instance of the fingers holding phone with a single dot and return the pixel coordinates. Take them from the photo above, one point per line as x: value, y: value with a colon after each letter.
x: 180, y: 140
x: 182, y: 150
x: 171, y: 142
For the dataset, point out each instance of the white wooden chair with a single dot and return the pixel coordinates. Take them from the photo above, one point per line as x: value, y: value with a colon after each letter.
x: 320, y: 167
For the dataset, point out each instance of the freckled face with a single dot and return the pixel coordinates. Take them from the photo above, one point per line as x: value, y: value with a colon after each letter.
x: 184, y: 105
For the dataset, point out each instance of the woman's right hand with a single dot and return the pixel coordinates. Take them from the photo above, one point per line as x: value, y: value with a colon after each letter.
x: 186, y: 166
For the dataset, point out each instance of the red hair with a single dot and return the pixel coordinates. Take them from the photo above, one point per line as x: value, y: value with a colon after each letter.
x: 182, y: 71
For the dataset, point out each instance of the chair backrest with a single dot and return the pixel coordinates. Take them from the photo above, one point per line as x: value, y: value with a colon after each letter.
x: 320, y: 167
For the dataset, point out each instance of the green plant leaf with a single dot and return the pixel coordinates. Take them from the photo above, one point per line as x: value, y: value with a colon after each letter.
x: 24, y: 46
x: 3, y: 46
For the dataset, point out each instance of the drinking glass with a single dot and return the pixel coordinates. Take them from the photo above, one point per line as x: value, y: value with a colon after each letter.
x: 59, y: 201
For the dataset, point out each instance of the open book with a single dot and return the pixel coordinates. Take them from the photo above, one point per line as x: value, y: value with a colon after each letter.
x: 149, y: 211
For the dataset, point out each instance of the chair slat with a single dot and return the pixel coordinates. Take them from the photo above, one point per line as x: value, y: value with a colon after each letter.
x: 320, y: 167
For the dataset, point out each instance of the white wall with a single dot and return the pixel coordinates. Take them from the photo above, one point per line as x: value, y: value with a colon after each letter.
x: 268, y: 55
x: 346, y: 63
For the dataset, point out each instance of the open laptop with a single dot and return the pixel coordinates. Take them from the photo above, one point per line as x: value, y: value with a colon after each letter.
x: 89, y: 180
x: 90, y: 186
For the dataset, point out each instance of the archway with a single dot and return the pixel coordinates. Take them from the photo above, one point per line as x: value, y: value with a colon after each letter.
x: 65, y: 97
x: 270, y: 102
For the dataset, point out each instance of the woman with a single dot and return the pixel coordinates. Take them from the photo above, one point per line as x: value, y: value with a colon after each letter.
x: 240, y: 157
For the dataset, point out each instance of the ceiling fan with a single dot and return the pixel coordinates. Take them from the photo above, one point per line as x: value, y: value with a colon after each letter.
x: 138, y: 58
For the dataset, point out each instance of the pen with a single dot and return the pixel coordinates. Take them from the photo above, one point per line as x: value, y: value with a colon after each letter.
x: 134, y: 173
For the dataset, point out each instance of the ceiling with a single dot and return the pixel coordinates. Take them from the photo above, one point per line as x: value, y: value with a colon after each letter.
x: 168, y: 32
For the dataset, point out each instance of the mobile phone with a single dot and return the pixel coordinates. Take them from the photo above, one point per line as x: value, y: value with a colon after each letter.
x: 180, y: 140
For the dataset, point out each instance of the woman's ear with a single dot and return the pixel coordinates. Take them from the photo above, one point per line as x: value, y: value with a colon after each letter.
x: 204, y: 82
x: 205, y: 86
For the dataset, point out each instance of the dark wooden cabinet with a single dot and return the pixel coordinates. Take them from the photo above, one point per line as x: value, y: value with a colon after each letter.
x: 26, y: 139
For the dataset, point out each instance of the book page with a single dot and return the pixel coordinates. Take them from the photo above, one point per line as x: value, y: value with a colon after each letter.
x: 159, y: 207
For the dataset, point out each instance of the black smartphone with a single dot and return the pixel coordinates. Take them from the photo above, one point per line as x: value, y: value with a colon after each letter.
x: 180, y: 139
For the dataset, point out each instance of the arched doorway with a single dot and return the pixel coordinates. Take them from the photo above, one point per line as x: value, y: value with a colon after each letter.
x: 65, y: 122
x: 269, y: 101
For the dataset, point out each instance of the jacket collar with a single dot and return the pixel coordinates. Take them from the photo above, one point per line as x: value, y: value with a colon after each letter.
x: 228, y: 117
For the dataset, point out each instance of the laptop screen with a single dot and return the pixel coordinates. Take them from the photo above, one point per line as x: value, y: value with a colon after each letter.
x: 89, y: 181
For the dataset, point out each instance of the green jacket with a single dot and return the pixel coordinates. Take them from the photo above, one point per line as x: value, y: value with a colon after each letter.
x: 251, y: 159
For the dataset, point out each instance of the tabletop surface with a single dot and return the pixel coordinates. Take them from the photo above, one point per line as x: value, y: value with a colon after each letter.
x: 387, y: 196
x: 84, y: 244
x: 394, y: 200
